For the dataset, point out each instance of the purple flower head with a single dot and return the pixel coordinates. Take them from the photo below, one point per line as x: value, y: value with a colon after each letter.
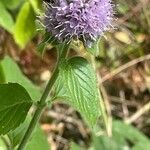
x: 78, y: 19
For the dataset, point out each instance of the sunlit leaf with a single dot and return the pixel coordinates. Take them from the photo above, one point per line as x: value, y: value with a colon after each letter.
x: 2, y: 76
x: 12, y: 4
x: 2, y: 144
x: 37, y: 5
x: 76, y: 84
x: 25, y: 27
x: 6, y: 20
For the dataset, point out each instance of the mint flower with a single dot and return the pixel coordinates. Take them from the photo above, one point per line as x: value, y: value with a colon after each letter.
x: 86, y: 20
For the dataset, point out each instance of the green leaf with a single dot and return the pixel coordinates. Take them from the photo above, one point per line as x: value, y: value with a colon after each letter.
x: 107, y: 143
x: 2, y: 76
x: 122, y: 135
x: 15, y: 103
x: 17, y: 77
x: 38, y: 141
x: 37, y: 5
x: 131, y: 134
x: 12, y: 4
x: 16, y: 135
x: 2, y: 144
x: 25, y: 27
x: 77, y: 85
x: 6, y: 20
x: 76, y: 147
x: 140, y: 146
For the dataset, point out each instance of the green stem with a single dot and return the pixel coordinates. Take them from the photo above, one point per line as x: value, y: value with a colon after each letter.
x: 42, y: 101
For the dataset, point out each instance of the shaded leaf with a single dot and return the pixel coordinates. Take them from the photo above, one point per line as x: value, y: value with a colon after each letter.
x: 124, y: 137
x: 14, y: 105
x: 131, y: 134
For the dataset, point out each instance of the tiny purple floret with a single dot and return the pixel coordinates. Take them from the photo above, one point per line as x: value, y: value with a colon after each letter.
x: 86, y: 20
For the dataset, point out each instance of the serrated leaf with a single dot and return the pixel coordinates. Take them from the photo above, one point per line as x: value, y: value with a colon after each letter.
x: 6, y: 20
x: 25, y: 27
x: 77, y: 85
x: 15, y: 103
x: 12, y: 4
x: 13, y: 74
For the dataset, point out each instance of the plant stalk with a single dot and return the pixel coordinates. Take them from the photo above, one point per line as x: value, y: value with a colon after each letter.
x: 42, y: 102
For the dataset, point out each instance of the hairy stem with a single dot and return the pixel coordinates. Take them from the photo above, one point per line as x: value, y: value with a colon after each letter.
x: 42, y: 102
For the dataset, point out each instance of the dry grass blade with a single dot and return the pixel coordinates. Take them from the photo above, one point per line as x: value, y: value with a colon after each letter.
x: 138, y: 114
x: 124, y: 67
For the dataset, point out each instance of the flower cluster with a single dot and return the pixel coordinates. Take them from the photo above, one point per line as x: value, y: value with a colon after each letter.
x: 78, y: 19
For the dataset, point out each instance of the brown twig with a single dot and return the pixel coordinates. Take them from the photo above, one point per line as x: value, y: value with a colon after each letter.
x: 108, y: 110
x: 139, y: 113
x: 107, y: 116
x: 134, y: 11
x: 124, y: 105
x: 118, y: 100
x: 124, y: 67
